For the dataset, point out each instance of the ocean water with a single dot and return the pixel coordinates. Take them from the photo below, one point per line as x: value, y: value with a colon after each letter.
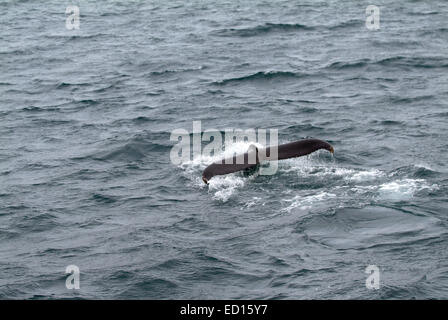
x: 85, y: 171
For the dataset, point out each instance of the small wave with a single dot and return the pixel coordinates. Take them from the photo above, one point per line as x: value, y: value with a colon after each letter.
x: 7, y: 234
x: 434, y: 31
x: 423, y: 13
x: 341, y: 65
x: 397, y: 61
x: 87, y: 102
x: 307, y: 127
x: 261, y: 76
x: 52, y: 122
x: 424, y: 171
x: 415, y: 62
x: 62, y: 85
x: 137, y: 121
x: 18, y: 52
x: 32, y: 109
x: 75, y: 36
x: 262, y: 30
x: 180, y: 70
x: 135, y: 148
x: 271, y: 28
x: 346, y: 24
x: 387, y: 122
x: 37, y: 222
x: 128, y: 152
x: 371, y: 226
x: 408, y: 100
x: 155, y: 288
x: 438, y: 115
x: 103, y: 198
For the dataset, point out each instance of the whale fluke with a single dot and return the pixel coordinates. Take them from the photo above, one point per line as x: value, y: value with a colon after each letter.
x: 253, y: 157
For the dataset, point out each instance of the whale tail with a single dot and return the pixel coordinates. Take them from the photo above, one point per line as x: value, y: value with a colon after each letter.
x: 251, y: 159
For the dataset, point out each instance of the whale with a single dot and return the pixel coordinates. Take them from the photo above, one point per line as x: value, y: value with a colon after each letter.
x: 253, y: 157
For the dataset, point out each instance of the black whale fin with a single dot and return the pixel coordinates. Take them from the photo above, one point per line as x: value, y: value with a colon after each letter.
x: 249, y: 160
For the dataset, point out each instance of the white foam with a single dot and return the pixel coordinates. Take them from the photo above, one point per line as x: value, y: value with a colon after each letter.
x: 366, y: 175
x: 403, y: 189
x: 306, y: 202
x: 222, y: 187
x: 311, y: 167
x: 364, y: 189
x: 254, y: 201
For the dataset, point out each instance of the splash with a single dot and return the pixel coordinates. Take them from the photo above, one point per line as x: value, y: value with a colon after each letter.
x: 403, y: 189
x: 222, y: 188
x: 345, y: 187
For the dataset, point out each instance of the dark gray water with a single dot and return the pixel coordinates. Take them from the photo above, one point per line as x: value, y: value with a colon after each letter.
x: 86, y: 178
